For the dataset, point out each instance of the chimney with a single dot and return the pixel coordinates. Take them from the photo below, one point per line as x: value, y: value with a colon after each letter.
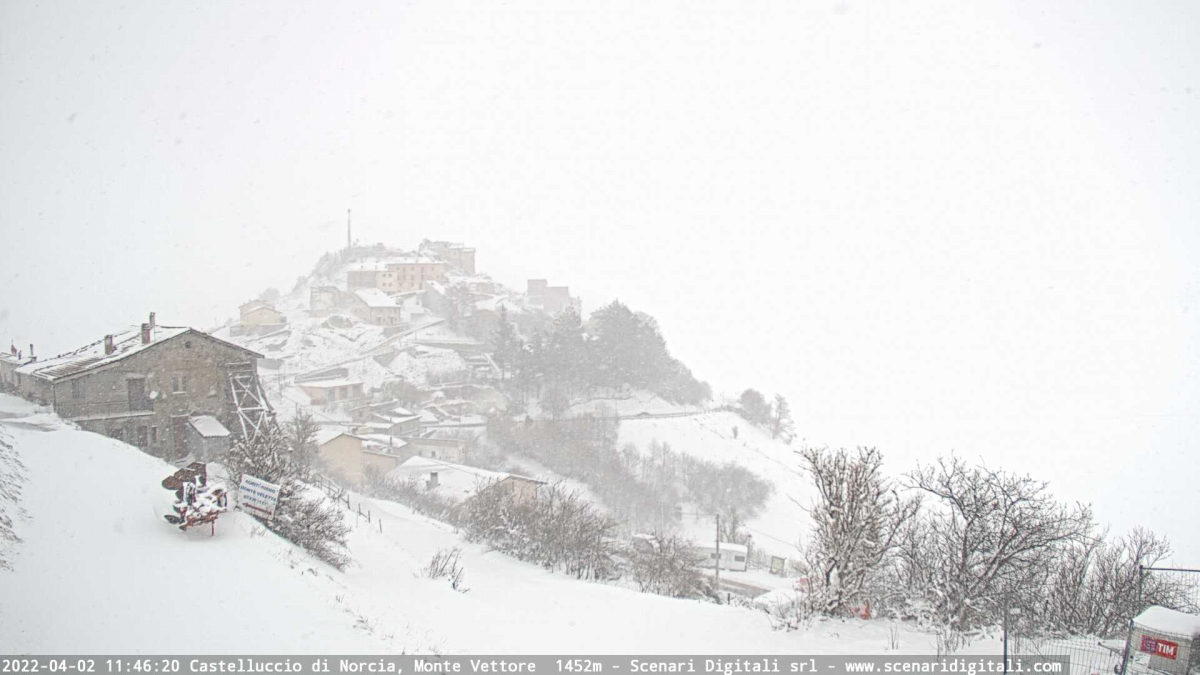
x: 31, y: 354
x: 146, y: 333
x: 153, y: 322
x: 108, y: 345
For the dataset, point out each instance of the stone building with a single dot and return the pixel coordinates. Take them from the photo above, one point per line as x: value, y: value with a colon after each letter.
x: 259, y: 313
x: 376, y: 307
x: 460, y: 256
x: 395, y: 275
x: 149, y: 387
x: 552, y: 299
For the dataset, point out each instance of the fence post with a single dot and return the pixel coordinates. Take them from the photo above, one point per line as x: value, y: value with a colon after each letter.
x: 1128, y: 646
x: 1004, y: 631
x: 1141, y: 579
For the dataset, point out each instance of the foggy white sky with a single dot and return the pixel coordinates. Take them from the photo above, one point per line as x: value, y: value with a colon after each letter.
x: 932, y: 228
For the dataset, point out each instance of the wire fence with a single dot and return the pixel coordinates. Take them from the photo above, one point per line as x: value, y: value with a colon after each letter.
x: 1155, y: 642
x: 1176, y: 588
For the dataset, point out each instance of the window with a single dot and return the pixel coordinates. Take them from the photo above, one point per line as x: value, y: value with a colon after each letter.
x: 179, y: 383
x: 739, y: 558
x: 153, y: 434
x: 175, y: 383
x: 76, y: 389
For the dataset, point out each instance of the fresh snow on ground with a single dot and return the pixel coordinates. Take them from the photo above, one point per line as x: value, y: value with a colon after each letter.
x: 99, y: 571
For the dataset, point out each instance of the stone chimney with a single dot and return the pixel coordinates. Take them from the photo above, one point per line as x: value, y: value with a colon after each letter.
x: 109, y: 348
x: 32, y: 356
x: 153, y: 321
x: 146, y: 333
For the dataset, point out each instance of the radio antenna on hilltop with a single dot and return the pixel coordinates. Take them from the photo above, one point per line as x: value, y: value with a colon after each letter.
x: 348, y: 244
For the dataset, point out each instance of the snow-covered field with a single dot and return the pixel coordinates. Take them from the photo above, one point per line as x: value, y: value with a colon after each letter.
x: 100, y: 572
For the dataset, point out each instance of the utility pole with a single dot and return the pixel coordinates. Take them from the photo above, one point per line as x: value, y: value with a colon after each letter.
x: 348, y: 244
x: 717, y: 584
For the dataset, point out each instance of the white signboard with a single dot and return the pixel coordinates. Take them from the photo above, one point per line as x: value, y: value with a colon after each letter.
x: 258, y: 496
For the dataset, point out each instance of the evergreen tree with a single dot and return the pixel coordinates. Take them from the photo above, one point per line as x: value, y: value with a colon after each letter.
x: 506, y: 343
x: 754, y: 407
x: 301, y: 434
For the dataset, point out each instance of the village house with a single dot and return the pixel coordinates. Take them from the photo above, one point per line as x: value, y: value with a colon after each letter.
x: 459, y: 482
x: 376, y: 307
x: 395, y: 275
x: 552, y: 299
x: 9, y: 362
x: 413, y: 273
x: 458, y: 255
x: 326, y: 393
x: 323, y: 299
x: 259, y: 313
x: 148, y: 387
x: 445, y: 449
x: 349, y: 457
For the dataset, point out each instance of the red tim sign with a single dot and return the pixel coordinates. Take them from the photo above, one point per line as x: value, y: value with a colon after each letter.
x: 1159, y: 647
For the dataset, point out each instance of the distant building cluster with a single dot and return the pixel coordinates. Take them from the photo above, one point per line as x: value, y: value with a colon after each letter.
x: 552, y: 299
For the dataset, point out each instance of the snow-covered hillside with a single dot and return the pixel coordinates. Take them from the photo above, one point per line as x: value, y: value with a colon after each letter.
x: 710, y: 436
x: 99, y: 571
x: 373, y: 355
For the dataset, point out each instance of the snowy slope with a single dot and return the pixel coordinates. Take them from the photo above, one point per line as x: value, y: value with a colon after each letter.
x: 710, y: 436
x: 100, y: 572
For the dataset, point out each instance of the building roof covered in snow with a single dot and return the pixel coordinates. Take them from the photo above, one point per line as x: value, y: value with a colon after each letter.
x: 456, y: 481
x: 326, y: 434
x: 124, y: 345
x: 208, y: 426
x: 1172, y: 621
x: 375, y: 298
x: 329, y: 384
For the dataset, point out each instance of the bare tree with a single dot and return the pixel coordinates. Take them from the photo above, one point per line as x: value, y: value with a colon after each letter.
x: 301, y: 433
x: 1095, y: 587
x: 993, y: 533
x: 857, y: 518
x: 781, y: 419
x: 668, y: 565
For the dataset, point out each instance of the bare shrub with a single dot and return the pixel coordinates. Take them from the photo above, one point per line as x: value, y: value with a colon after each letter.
x: 445, y: 563
x: 12, y: 477
x: 668, y: 565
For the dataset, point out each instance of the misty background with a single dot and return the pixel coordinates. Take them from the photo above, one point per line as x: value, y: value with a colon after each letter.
x: 934, y: 228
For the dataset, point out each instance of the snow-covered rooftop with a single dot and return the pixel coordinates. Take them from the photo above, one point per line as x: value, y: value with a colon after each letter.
x: 1172, y: 621
x: 209, y: 426
x: 329, y: 384
x: 373, y: 297
x: 125, y: 344
x: 326, y: 434
x: 456, y: 481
